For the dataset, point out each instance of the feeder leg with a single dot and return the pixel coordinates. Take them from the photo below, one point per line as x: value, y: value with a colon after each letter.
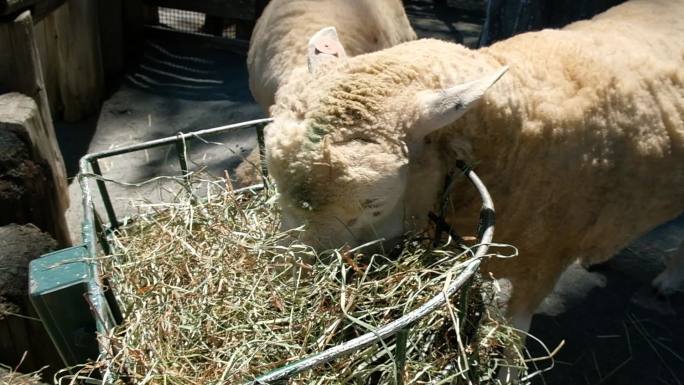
x: 400, y: 355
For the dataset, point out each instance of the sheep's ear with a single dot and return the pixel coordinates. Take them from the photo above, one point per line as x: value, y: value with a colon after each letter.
x: 324, y: 45
x: 439, y: 108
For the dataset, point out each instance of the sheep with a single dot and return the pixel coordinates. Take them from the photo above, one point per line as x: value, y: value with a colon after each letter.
x: 278, y: 48
x: 580, y: 142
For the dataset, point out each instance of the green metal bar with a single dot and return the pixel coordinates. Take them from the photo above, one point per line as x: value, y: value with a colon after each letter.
x: 106, y: 248
x: 173, y: 139
x: 400, y: 355
x: 100, y: 231
x: 111, y: 302
x: 180, y: 149
x: 463, y: 301
x: 104, y: 321
x: 106, y: 199
x: 471, y: 374
x: 58, y: 282
x: 262, y: 154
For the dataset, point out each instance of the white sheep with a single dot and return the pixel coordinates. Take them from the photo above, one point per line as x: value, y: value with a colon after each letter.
x: 278, y: 43
x: 581, y: 143
x: 278, y: 46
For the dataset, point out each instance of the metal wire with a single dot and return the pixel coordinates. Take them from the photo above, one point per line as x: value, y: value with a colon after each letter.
x: 486, y: 227
x: 103, y: 313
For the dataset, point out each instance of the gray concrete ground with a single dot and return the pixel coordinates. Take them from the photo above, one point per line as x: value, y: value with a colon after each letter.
x: 174, y: 89
x: 615, y: 330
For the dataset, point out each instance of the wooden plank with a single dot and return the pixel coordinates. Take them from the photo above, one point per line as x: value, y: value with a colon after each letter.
x: 8, y: 7
x: 39, y: 8
x: 19, y: 245
x: 112, y: 40
x: 233, y: 9
x: 29, y: 191
x: 46, y: 42
x: 21, y: 71
x: 79, y: 58
x: 133, y: 34
x: 44, y: 8
x: 68, y: 42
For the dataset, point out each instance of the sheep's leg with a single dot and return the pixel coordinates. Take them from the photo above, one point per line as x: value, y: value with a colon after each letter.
x: 671, y: 280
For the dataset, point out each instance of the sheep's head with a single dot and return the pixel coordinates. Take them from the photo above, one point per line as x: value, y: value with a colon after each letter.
x: 340, y: 144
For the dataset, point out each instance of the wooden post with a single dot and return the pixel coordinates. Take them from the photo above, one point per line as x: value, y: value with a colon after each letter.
x: 33, y: 188
x: 74, y: 30
x: 68, y: 43
x: 111, y: 38
x: 46, y: 42
x: 20, y: 70
x: 20, y: 331
x: 20, y: 65
x: 134, y: 31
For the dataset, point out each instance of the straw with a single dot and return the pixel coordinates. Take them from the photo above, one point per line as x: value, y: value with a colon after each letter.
x: 213, y: 293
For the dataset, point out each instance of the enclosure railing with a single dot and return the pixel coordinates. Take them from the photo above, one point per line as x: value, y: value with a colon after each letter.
x: 104, y: 307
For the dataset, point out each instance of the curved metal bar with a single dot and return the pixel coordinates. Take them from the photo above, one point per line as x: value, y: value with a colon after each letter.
x: 96, y: 295
x: 487, y: 233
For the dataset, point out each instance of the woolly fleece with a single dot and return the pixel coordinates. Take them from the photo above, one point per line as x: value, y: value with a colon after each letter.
x: 581, y: 143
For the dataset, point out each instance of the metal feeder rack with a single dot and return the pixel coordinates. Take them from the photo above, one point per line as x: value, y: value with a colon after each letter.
x: 77, y: 309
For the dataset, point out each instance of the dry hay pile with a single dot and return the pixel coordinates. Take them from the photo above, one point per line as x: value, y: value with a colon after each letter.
x: 210, y: 297
x: 8, y: 376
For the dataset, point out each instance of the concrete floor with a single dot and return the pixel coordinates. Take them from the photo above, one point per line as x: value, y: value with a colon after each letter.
x: 615, y: 330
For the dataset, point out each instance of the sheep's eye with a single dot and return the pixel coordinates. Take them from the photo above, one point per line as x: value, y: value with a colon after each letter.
x: 363, y: 140
x: 358, y: 139
x: 371, y: 204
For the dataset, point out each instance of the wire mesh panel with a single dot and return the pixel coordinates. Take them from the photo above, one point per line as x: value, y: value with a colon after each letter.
x: 181, y: 20
x: 195, y: 22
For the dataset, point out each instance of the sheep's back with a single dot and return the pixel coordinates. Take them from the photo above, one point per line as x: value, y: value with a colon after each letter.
x: 601, y: 103
x: 279, y: 41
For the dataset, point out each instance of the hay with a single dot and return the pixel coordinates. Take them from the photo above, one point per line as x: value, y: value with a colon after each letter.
x: 8, y: 376
x: 7, y: 308
x: 209, y: 296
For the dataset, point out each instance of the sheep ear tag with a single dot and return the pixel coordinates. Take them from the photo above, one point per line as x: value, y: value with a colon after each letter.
x: 324, y: 46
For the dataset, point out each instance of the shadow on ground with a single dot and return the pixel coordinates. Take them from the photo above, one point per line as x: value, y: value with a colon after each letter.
x: 616, y: 329
x: 175, y: 88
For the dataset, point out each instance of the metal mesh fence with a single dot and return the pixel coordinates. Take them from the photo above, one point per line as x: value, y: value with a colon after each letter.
x: 195, y: 22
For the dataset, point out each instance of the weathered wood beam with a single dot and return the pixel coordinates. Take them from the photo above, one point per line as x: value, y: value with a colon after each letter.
x: 21, y: 71
x: 39, y: 8
x: 23, y: 339
x: 76, y: 59
x: 33, y: 188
